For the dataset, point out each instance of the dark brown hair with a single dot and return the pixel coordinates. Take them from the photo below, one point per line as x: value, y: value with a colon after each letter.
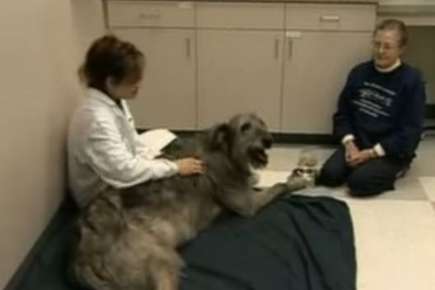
x: 395, y: 24
x: 111, y: 57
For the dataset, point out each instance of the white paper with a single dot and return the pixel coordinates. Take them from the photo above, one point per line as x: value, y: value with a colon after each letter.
x: 157, y: 139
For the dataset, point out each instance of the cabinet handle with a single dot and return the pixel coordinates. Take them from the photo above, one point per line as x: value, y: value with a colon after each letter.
x: 330, y: 18
x: 185, y: 5
x: 276, y: 48
x: 188, y: 47
x: 290, y: 48
x: 149, y: 16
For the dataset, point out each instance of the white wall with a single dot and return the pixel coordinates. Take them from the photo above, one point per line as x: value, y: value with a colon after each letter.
x: 40, y: 52
x: 88, y: 20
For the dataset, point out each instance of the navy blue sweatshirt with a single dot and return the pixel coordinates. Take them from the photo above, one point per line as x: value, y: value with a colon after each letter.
x: 385, y: 108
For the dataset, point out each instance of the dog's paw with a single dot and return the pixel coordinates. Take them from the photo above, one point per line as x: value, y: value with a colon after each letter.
x: 295, y: 182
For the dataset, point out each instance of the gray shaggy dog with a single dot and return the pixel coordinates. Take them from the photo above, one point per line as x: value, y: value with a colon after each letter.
x: 127, y: 238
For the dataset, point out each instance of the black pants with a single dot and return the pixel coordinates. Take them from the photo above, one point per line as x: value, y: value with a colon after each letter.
x: 370, y: 178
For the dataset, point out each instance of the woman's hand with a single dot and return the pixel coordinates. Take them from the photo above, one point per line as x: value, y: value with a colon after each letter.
x: 190, y: 166
x: 351, y: 152
x: 362, y: 157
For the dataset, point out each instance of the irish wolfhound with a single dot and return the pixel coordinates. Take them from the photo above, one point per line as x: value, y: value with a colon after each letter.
x: 128, y: 238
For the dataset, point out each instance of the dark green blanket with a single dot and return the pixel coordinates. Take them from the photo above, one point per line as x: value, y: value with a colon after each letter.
x: 296, y: 243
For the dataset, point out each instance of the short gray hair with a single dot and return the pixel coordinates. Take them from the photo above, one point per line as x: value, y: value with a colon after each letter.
x: 394, y: 24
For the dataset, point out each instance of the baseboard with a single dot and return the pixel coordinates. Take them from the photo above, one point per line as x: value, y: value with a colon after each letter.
x: 310, y: 139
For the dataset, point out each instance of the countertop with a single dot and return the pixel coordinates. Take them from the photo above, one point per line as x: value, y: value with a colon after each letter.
x: 277, y: 1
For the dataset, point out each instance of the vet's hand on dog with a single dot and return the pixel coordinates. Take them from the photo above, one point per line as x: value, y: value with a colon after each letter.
x: 190, y: 166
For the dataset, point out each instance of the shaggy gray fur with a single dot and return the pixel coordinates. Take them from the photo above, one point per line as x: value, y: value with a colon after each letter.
x: 128, y: 238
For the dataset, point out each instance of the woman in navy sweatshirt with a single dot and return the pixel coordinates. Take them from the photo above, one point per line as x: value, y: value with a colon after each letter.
x: 379, y: 118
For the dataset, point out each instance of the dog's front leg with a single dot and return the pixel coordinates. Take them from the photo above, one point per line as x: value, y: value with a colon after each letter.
x: 260, y: 198
x: 295, y: 183
x: 246, y: 202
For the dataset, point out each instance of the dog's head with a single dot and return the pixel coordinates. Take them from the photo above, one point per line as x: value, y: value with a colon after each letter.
x: 244, y: 139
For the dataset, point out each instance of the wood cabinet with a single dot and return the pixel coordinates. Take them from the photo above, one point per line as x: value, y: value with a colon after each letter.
x: 164, y: 32
x: 239, y: 71
x: 322, y: 44
x: 316, y: 67
x: 209, y: 60
x: 239, y: 61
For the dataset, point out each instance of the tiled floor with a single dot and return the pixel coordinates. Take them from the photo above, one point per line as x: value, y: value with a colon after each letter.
x: 394, y: 232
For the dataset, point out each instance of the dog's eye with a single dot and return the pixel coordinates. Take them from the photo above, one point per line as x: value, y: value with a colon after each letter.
x: 245, y: 127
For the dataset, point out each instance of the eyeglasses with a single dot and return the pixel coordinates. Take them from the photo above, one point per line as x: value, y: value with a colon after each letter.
x: 384, y: 46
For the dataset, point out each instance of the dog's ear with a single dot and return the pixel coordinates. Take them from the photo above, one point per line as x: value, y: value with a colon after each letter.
x: 219, y: 137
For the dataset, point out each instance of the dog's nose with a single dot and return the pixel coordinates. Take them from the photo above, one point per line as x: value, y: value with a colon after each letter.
x: 267, y: 142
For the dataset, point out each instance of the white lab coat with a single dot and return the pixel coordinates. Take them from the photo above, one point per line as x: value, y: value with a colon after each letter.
x: 104, y: 150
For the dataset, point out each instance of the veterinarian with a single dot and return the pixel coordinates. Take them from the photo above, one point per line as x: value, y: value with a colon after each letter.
x: 103, y: 146
x: 379, y: 118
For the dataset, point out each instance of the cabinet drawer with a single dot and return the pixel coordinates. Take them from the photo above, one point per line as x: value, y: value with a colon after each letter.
x: 240, y: 15
x: 350, y: 17
x: 156, y: 14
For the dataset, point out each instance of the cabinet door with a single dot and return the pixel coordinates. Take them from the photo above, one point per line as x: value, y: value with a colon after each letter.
x: 167, y: 95
x: 239, y: 71
x: 316, y: 67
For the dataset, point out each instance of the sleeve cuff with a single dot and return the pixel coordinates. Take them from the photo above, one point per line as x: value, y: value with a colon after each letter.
x: 174, y: 167
x: 347, y: 138
x: 379, y: 150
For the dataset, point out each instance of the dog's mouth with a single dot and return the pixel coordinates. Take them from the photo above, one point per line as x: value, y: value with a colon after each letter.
x: 258, y: 157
